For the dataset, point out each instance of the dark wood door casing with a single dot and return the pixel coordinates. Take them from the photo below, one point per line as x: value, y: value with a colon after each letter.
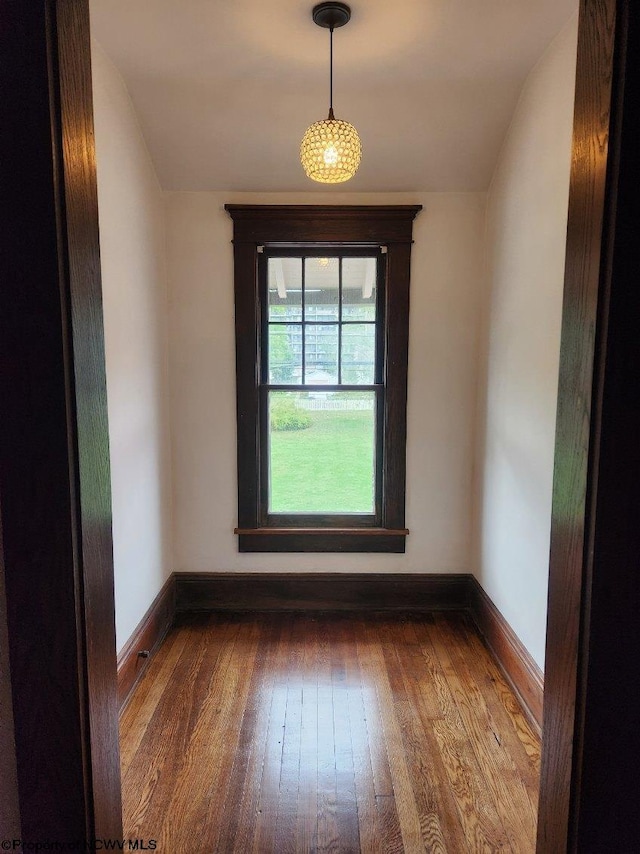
x: 590, y: 786
x: 608, y: 726
x: 54, y: 463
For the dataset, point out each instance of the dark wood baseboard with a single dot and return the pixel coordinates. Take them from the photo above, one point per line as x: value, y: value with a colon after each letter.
x: 217, y: 591
x: 521, y: 671
x: 147, y: 637
x: 320, y: 592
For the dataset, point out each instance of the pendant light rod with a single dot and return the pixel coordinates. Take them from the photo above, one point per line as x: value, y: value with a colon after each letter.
x: 331, y: 72
x: 331, y: 15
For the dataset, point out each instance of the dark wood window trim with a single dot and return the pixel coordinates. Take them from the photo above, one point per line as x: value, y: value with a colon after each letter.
x: 366, y: 226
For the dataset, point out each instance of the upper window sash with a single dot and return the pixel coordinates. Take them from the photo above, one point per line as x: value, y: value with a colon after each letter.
x: 333, y: 318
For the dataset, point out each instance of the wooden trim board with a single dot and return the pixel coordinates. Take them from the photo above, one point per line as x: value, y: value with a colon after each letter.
x: 185, y: 592
x: 320, y: 591
x: 147, y: 637
x: 341, y: 229
x: 54, y: 462
x: 523, y: 674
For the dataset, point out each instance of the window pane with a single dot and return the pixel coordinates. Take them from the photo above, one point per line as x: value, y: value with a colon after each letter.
x: 321, y: 354
x: 358, y: 353
x: 321, y: 278
x: 285, y: 288
x: 321, y: 452
x: 285, y: 353
x: 359, y: 288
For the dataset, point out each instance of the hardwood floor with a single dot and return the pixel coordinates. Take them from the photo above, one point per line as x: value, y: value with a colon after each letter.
x: 292, y: 732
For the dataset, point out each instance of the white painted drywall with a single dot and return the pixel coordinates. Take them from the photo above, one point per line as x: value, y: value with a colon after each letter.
x: 445, y: 302
x: 525, y: 244
x: 132, y: 246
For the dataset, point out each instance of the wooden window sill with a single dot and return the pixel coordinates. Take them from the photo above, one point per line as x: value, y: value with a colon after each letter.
x: 321, y: 539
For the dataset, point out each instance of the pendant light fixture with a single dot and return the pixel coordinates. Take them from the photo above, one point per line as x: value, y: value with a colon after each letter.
x: 330, y: 151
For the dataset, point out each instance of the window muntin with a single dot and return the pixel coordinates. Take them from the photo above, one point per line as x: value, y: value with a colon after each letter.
x: 323, y: 335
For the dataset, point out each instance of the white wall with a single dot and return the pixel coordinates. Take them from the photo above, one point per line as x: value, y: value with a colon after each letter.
x: 482, y: 365
x: 445, y: 301
x: 525, y: 239
x: 132, y: 243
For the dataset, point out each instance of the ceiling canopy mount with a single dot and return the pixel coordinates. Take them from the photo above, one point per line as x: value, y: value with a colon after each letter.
x: 331, y: 15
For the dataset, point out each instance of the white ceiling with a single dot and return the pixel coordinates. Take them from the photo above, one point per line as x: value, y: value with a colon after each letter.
x: 224, y: 89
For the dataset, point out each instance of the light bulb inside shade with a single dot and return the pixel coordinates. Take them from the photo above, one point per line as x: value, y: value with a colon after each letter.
x: 330, y: 155
x: 330, y: 151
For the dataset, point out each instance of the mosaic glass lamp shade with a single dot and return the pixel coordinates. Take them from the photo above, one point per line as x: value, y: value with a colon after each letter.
x: 330, y: 151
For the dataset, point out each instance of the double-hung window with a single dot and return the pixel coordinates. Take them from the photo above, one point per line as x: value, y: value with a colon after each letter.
x: 321, y: 348
x: 321, y: 386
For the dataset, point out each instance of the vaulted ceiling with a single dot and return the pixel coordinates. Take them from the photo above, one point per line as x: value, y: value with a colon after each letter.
x: 224, y: 89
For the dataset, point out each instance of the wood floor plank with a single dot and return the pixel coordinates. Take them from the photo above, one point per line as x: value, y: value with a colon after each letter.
x: 491, y: 740
x: 346, y: 804
x: 222, y: 753
x: 267, y: 809
x: 378, y: 749
x: 241, y: 832
x: 439, y: 821
x: 298, y: 732
x: 195, y: 808
x: 307, y: 830
x: 328, y: 839
x: 242, y: 825
x: 289, y: 789
x: 250, y: 740
x: 402, y: 789
x: 161, y: 750
x: 478, y: 813
x: 425, y: 756
x: 141, y: 708
x: 388, y: 819
x: 422, y: 675
x: 369, y: 827
x: 501, y: 699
